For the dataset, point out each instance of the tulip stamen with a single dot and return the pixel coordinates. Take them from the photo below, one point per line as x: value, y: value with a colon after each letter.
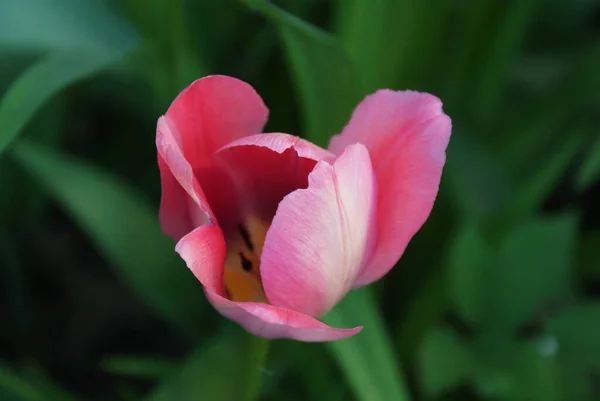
x: 246, y: 264
x: 241, y: 276
x: 245, y: 236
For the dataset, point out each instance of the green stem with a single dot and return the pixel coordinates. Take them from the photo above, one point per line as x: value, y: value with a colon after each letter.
x: 368, y: 358
x: 257, y: 357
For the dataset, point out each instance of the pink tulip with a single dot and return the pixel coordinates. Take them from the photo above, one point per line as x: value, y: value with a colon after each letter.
x: 277, y: 229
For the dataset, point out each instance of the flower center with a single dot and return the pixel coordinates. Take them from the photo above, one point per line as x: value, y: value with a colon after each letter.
x: 241, y: 276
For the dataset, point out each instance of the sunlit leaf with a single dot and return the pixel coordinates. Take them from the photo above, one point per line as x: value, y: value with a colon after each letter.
x: 123, y: 227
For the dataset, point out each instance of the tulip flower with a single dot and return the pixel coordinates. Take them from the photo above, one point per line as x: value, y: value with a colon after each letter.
x: 276, y: 229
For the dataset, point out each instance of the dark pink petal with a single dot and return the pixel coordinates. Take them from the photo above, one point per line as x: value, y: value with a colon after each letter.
x: 183, y: 204
x: 208, y: 114
x: 279, y: 143
x: 321, y: 236
x: 264, y: 168
x: 406, y: 134
x: 204, y: 252
x: 212, y: 112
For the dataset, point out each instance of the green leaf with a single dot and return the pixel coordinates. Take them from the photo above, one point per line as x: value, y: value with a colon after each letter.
x: 501, y: 56
x: 214, y: 372
x: 89, y: 26
x: 577, y: 332
x: 480, y: 185
x: 123, y: 227
x: 540, y: 120
x: 80, y: 39
x: 34, y: 388
x: 519, y: 371
x: 390, y: 41
x: 536, y: 372
x: 143, y: 367
x: 590, y: 169
x: 546, y: 173
x: 325, y: 79
x: 368, y: 358
x: 470, y: 260
x: 588, y: 256
x: 532, y: 266
x: 445, y: 363
x: 13, y: 385
x: 42, y: 81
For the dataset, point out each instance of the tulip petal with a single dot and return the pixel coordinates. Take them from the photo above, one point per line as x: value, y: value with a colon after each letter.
x: 213, y: 111
x: 279, y: 143
x: 321, y: 235
x: 204, y: 252
x: 406, y: 134
x: 272, y: 322
x: 265, y: 168
x: 208, y: 114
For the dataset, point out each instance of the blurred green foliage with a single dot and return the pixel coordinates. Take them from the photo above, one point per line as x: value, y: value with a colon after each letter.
x: 496, y: 298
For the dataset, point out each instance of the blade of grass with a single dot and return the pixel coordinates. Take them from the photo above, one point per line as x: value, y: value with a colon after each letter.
x: 325, y: 79
x: 136, y: 366
x: 86, y: 26
x: 123, y: 227
x: 216, y: 371
x: 590, y: 169
x: 34, y: 388
x: 367, y: 359
x: 503, y: 52
x: 556, y: 109
x: 42, y: 81
x: 545, y: 174
x: 391, y: 42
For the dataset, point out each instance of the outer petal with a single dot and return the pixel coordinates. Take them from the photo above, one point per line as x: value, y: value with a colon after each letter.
x: 272, y: 322
x: 209, y: 113
x: 183, y: 205
x: 321, y: 236
x: 212, y: 112
x: 406, y: 134
x: 204, y: 252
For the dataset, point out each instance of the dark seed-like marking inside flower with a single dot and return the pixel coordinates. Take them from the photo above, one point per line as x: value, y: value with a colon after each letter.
x: 245, y: 236
x: 246, y: 264
x: 227, y: 293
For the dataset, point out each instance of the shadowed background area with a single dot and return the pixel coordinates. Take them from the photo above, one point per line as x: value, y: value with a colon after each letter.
x: 496, y: 298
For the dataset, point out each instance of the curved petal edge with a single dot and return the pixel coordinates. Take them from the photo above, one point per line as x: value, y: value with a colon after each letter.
x: 271, y: 322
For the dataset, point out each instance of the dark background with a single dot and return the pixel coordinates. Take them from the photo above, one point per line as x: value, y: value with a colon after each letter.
x: 496, y: 298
